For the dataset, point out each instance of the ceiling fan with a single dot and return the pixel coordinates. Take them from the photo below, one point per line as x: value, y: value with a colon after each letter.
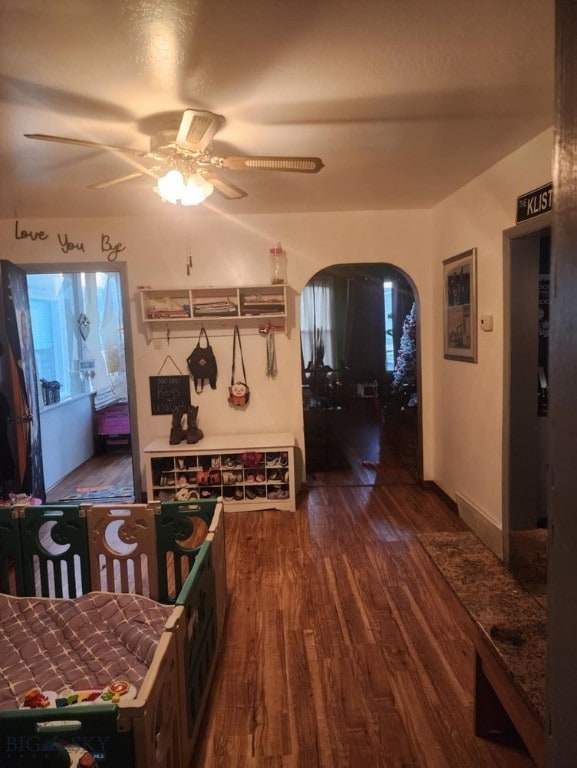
x: 186, y: 170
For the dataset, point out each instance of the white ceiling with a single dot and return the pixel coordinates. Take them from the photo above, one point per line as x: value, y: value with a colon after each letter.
x: 404, y: 100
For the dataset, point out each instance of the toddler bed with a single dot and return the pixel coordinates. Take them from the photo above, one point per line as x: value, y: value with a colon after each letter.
x: 110, y: 621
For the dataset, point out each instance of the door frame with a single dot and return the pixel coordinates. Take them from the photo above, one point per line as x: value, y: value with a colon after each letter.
x: 509, y: 486
x: 122, y: 269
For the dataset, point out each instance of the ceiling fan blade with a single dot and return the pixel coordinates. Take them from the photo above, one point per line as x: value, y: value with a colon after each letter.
x: 115, y: 180
x: 90, y: 144
x: 272, y: 163
x: 127, y: 177
x: 223, y: 186
x: 197, y: 128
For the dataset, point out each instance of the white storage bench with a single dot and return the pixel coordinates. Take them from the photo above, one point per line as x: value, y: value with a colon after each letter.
x: 248, y: 472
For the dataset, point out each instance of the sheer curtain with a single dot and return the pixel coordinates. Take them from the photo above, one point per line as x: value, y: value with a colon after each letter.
x: 104, y: 308
x: 318, y: 333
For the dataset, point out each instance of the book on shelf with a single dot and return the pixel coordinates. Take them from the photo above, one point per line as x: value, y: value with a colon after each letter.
x: 214, y: 308
x: 262, y: 298
x: 159, y: 314
x: 257, y: 311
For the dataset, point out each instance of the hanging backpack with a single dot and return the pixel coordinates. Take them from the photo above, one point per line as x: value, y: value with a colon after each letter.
x: 202, y: 364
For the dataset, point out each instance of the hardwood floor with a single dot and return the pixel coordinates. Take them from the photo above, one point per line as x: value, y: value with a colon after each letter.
x: 343, y: 645
x: 108, y: 468
x: 358, y: 445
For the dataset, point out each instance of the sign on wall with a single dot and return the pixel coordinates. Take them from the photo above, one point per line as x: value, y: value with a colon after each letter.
x: 535, y: 203
x: 168, y: 393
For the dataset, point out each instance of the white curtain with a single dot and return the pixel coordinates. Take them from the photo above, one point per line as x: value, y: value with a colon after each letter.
x: 104, y: 309
x: 318, y: 335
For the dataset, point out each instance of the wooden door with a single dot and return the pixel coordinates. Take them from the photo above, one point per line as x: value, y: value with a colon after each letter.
x: 19, y: 386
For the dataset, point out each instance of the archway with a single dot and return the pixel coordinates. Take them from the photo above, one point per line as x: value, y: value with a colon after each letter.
x: 360, y: 351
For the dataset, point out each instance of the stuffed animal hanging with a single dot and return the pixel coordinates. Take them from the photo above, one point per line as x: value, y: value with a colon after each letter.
x: 238, y: 392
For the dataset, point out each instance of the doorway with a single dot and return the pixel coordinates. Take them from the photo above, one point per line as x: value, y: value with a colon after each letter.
x: 525, y: 459
x: 359, y: 356
x: 82, y: 339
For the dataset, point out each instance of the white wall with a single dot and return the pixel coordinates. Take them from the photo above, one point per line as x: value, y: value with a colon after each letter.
x: 68, y: 423
x: 468, y: 398
x: 461, y: 403
x: 234, y: 251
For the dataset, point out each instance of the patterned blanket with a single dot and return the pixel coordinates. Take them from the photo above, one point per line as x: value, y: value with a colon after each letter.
x: 84, y: 643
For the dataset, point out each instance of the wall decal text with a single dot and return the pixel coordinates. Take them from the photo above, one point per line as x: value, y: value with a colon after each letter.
x: 68, y: 244
x: 21, y: 234
x: 112, y: 251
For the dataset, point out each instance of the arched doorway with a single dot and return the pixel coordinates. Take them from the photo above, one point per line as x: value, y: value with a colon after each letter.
x: 359, y: 342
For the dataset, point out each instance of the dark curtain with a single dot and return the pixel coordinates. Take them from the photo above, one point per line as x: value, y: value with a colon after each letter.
x: 365, y: 330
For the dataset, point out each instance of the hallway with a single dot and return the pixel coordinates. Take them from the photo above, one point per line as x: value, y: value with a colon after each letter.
x: 362, y: 443
x: 343, y: 646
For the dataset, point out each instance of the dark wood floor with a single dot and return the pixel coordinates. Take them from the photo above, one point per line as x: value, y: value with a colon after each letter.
x: 107, y: 468
x: 343, y: 646
x: 361, y: 443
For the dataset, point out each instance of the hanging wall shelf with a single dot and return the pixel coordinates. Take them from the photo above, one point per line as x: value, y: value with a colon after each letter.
x: 178, y: 312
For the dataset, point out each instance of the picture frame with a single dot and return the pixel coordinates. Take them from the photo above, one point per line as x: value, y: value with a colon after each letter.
x: 460, y: 307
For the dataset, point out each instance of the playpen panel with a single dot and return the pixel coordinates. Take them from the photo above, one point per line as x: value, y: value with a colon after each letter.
x: 216, y: 536
x: 197, y: 645
x: 54, y: 551
x: 123, y: 549
x: 181, y: 528
x: 156, y: 721
x: 11, y: 575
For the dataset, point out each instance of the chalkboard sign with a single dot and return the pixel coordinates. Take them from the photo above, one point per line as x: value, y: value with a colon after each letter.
x: 168, y: 393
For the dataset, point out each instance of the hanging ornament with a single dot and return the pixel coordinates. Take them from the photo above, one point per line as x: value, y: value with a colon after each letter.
x: 86, y: 364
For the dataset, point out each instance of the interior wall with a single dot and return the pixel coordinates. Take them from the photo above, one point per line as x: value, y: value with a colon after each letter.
x: 233, y: 251
x: 461, y: 402
x: 468, y: 398
x: 67, y: 423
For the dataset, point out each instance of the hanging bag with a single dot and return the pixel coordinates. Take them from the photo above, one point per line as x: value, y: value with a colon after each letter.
x: 202, y: 364
x: 238, y: 392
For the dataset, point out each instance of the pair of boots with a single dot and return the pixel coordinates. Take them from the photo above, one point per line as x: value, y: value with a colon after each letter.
x: 191, y: 432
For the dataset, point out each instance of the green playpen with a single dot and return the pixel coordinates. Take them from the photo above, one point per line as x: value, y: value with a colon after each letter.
x: 58, y: 558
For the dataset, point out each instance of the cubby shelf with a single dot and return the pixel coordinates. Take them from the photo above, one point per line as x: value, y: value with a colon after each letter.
x: 247, y: 471
x: 194, y: 307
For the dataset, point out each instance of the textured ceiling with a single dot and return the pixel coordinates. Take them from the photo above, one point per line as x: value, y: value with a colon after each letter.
x: 404, y: 101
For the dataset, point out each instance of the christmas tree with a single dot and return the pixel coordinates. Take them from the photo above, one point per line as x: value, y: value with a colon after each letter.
x: 405, y: 374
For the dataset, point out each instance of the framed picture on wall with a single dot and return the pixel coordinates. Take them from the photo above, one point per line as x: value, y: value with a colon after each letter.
x: 460, y: 306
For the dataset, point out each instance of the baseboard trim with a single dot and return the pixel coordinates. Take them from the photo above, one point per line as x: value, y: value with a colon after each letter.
x: 486, y: 529
x: 476, y: 520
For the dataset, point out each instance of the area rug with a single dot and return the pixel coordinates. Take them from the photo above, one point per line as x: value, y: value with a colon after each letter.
x: 90, y: 492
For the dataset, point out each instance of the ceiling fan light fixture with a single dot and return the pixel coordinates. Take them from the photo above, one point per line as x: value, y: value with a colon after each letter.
x: 174, y: 188
x: 196, y: 190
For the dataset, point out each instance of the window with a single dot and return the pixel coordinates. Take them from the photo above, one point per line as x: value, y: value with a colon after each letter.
x: 53, y: 316
x: 86, y: 357
x: 389, y: 341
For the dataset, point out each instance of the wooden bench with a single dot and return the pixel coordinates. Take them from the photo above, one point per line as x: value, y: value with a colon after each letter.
x: 507, y: 627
